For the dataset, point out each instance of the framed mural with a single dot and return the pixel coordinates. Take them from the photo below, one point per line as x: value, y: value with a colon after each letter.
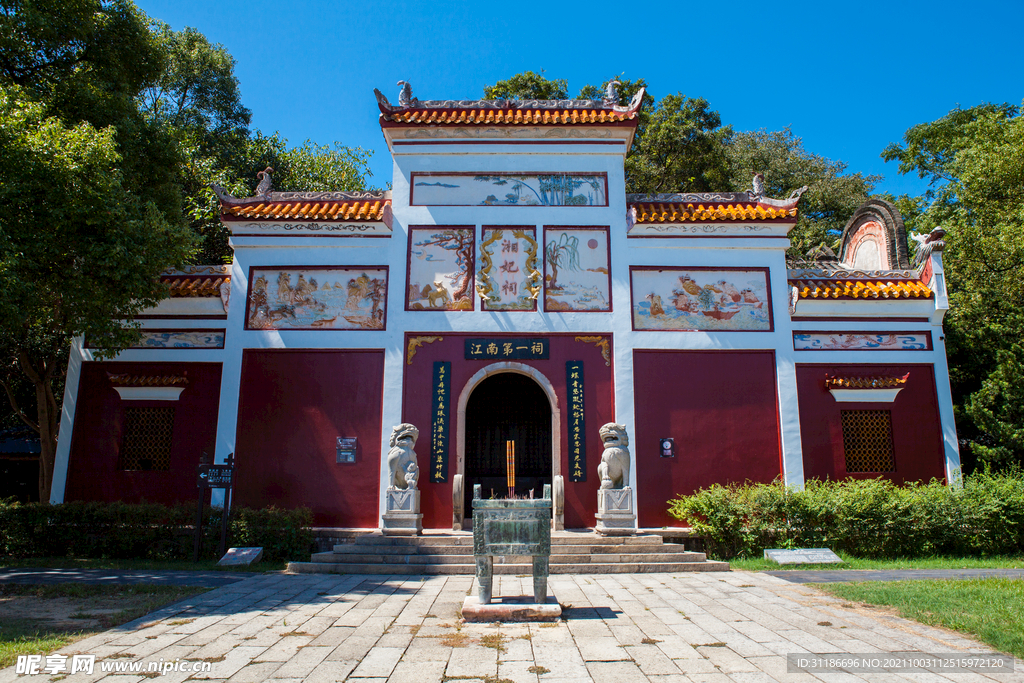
x: 173, y: 339
x: 701, y: 299
x: 577, y: 276
x: 440, y: 272
x: 862, y: 341
x: 509, y: 189
x: 317, y: 298
x: 508, y: 278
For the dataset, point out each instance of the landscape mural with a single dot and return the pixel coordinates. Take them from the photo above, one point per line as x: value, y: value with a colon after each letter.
x: 337, y: 298
x: 508, y: 278
x: 510, y: 189
x: 701, y: 299
x: 440, y: 273
x: 576, y: 274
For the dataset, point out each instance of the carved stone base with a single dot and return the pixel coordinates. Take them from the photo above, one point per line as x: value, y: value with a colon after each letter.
x: 402, y: 513
x: 615, y: 515
x: 510, y: 609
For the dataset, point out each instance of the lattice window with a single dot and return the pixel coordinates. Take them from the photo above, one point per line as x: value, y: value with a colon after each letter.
x: 867, y: 441
x: 146, y: 439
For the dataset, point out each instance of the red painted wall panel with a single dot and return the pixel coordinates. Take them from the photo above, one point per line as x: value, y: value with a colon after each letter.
x: 917, y: 431
x: 721, y: 407
x: 294, y: 404
x: 99, y: 415
x: 598, y: 405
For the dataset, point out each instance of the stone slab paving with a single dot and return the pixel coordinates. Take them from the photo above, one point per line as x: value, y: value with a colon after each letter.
x: 729, y: 627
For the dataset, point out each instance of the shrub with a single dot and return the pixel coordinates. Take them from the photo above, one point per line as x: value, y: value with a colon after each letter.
x: 866, y: 518
x: 145, y: 531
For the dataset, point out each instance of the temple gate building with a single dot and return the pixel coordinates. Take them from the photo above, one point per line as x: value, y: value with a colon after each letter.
x: 508, y: 289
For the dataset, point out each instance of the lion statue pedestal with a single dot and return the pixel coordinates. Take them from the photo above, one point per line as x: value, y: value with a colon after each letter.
x: 615, y: 515
x: 402, y: 499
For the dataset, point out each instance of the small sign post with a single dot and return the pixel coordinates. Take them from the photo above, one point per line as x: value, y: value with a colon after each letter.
x: 214, y: 477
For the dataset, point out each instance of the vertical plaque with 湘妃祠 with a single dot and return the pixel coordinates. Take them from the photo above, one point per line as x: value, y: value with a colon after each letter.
x: 577, y: 426
x: 439, y: 428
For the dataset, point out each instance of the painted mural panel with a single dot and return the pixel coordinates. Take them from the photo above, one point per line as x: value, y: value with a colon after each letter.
x: 440, y: 271
x: 576, y: 270
x: 330, y: 298
x: 862, y: 341
x: 508, y: 278
x: 704, y: 299
x: 509, y: 189
x: 181, y: 339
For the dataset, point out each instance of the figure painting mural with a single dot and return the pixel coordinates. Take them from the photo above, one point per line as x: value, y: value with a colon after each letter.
x: 440, y: 269
x: 576, y: 272
x: 342, y: 298
x: 731, y: 299
x: 510, y: 189
x: 508, y: 279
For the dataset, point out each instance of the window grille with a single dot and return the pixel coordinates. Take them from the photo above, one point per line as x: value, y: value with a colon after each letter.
x: 146, y: 439
x: 867, y: 441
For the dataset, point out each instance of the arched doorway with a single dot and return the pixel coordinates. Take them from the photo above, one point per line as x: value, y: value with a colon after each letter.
x: 507, y: 406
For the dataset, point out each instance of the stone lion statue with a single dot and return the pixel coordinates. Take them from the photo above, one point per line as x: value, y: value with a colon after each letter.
x: 614, y: 467
x: 402, y: 458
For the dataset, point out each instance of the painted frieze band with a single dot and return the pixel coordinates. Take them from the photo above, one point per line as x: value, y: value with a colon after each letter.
x: 174, y: 339
x: 701, y: 299
x: 509, y: 189
x: 317, y: 298
x: 862, y: 341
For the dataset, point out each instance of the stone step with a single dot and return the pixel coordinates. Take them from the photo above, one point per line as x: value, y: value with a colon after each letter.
x: 466, y: 538
x: 523, y: 569
x: 560, y: 559
x: 362, y: 549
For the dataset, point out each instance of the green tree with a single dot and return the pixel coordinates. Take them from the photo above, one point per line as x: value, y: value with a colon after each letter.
x: 528, y: 86
x: 832, y: 196
x: 974, y: 162
x: 90, y: 207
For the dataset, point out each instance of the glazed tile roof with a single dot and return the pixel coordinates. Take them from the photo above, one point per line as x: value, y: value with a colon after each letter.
x: 698, y: 213
x: 861, y: 289
x: 885, y: 382
x: 508, y: 112
x: 307, y: 206
x: 129, y: 380
x: 196, y: 281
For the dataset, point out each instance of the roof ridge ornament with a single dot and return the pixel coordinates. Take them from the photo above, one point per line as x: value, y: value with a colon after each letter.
x: 611, y: 93
x: 265, y: 186
x: 927, y: 244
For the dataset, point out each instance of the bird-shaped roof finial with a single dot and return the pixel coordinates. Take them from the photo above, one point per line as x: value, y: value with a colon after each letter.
x: 611, y: 93
x: 405, y: 94
x: 265, y: 186
x: 758, y: 185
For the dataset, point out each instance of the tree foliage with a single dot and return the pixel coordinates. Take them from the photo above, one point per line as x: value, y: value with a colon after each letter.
x: 528, y: 86
x: 974, y: 162
x: 832, y: 196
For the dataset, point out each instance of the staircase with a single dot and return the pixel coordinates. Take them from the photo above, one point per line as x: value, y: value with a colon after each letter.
x: 452, y: 553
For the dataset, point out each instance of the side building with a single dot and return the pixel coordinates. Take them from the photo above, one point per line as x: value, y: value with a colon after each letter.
x: 508, y: 290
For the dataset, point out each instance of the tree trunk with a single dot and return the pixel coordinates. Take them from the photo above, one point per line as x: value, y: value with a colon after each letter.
x: 48, y: 413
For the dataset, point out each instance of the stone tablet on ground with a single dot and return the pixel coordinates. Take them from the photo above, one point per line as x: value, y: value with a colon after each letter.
x: 802, y: 556
x: 240, y: 556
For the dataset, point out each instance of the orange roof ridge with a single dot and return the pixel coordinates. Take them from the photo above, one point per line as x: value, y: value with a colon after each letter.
x: 883, y: 382
x: 835, y: 288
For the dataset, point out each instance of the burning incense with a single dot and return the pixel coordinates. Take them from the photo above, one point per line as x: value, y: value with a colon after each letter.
x: 510, y: 467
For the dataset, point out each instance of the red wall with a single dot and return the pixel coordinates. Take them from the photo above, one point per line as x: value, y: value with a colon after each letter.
x: 293, y: 406
x: 598, y: 406
x: 99, y: 415
x: 721, y: 407
x: 917, y: 432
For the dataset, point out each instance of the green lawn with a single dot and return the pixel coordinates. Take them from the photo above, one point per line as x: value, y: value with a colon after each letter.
x: 759, y: 564
x: 96, y: 607
x: 989, y: 609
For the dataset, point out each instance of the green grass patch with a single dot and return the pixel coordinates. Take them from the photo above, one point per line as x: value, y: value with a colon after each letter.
x: 988, y: 609
x: 757, y: 564
x: 106, y: 606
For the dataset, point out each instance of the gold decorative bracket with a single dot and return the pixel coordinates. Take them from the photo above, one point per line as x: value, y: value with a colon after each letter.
x: 601, y: 343
x: 415, y: 343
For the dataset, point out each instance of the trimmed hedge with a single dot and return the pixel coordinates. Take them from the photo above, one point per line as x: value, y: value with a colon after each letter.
x: 866, y: 518
x: 146, y: 531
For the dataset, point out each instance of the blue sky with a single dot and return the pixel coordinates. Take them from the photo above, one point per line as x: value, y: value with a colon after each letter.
x: 847, y: 77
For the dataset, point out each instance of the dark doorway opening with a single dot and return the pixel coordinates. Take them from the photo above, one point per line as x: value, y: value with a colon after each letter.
x: 507, y: 407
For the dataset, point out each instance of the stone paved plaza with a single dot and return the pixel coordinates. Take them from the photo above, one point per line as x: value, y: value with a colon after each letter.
x: 717, y: 627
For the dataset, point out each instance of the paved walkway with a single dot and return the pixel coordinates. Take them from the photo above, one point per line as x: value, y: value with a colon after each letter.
x: 734, y: 627
x: 160, y: 577
x: 846, y: 575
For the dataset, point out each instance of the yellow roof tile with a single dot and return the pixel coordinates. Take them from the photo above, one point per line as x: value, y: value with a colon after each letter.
x: 861, y: 289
